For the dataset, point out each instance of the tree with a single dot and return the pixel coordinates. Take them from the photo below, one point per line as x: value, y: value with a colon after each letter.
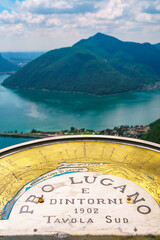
x: 33, y: 131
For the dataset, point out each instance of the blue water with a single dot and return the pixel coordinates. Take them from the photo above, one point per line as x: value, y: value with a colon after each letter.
x: 8, y: 141
x: 23, y: 110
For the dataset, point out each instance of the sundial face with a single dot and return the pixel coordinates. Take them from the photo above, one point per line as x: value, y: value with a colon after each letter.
x: 77, y: 185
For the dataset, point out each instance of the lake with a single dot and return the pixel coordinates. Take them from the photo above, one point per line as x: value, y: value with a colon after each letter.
x: 8, y: 141
x: 23, y: 110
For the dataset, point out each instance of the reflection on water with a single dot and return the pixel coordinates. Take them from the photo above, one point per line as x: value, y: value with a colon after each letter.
x: 24, y: 110
x: 33, y: 111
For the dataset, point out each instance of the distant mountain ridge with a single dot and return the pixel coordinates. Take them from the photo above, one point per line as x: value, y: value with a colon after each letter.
x: 20, y: 58
x: 99, y: 65
x: 6, y: 66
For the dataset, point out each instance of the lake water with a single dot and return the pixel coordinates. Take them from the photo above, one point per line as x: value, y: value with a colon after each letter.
x: 8, y: 141
x: 24, y: 110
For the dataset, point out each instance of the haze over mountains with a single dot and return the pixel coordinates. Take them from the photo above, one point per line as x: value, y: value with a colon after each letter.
x: 99, y: 65
x: 20, y: 58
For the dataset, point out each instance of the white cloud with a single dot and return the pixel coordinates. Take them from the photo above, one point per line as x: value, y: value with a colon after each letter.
x: 8, y: 18
x: 56, y: 6
x: 113, y: 9
x: 11, y: 30
x: 152, y: 7
x: 144, y: 17
x: 29, y: 5
x: 75, y: 19
x: 52, y: 22
x: 30, y: 19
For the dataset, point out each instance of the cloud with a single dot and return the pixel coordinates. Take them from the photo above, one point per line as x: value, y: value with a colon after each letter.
x: 16, y: 30
x: 15, y: 18
x: 57, y: 6
x: 152, y: 9
x: 85, y: 13
x: 113, y: 9
x: 9, y: 18
x: 75, y: 19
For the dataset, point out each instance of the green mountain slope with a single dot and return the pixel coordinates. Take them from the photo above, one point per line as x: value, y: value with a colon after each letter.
x: 99, y: 65
x: 157, y: 45
x: 6, y: 66
x: 154, y: 134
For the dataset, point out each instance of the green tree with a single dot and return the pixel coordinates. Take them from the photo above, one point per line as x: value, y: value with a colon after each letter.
x: 33, y: 131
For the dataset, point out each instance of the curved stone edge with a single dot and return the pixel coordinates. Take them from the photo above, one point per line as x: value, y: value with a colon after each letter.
x: 51, y: 140
x: 70, y: 237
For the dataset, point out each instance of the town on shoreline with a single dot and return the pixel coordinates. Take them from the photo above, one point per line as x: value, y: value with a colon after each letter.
x: 124, y: 131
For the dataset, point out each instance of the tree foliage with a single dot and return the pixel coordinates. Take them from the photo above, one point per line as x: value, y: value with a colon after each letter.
x: 154, y: 134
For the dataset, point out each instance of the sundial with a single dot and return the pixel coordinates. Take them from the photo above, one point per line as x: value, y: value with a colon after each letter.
x: 80, y: 186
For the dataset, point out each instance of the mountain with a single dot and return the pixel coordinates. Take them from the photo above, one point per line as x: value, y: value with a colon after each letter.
x: 154, y: 134
x: 20, y: 58
x: 99, y: 65
x: 6, y: 66
x: 157, y: 45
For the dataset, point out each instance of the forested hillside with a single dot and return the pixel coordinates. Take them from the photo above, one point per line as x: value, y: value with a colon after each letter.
x: 154, y: 134
x: 100, y: 65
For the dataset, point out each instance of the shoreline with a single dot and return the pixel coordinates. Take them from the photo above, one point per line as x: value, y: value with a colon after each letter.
x: 126, y: 131
x: 26, y: 135
x: 147, y: 88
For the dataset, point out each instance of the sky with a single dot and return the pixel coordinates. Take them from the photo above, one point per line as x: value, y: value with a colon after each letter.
x: 42, y: 25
